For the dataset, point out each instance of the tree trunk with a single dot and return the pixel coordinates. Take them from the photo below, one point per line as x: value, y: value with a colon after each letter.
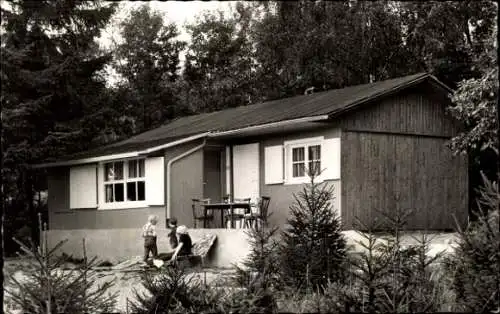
x: 28, y: 199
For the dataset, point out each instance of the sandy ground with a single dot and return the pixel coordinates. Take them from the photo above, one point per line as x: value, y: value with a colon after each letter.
x: 128, y: 281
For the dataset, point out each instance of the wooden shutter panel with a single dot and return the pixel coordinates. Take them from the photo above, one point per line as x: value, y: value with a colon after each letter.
x: 83, y: 186
x: 330, y: 159
x: 155, y: 181
x: 273, y: 165
x: 228, y: 170
x: 100, y: 184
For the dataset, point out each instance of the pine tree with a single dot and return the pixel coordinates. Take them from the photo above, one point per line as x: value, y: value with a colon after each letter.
x: 52, y: 88
x: 475, y: 265
x: 313, y: 248
x: 173, y: 290
x: 148, y: 61
x: 47, y: 289
x: 259, y: 272
x: 390, y: 277
x: 219, y: 69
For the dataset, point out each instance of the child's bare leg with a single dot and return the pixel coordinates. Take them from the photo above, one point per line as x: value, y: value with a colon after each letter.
x: 146, y: 253
x: 154, y: 250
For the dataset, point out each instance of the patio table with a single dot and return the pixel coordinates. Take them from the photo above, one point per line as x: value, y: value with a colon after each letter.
x: 226, y: 206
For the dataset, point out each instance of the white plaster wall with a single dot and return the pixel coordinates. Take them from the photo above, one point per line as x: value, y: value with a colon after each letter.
x: 116, y: 245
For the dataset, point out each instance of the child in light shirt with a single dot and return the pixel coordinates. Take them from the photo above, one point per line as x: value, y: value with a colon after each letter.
x: 149, y: 235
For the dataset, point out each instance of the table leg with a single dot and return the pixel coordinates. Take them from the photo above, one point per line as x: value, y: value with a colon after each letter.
x: 232, y: 220
x: 222, y: 218
x: 205, y: 218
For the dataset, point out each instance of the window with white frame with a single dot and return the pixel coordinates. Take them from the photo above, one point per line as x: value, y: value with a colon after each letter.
x: 303, y: 157
x: 124, y: 181
x: 317, y: 154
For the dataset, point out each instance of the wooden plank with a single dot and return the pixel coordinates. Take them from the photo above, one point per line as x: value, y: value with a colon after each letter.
x: 389, y: 172
x: 409, y: 113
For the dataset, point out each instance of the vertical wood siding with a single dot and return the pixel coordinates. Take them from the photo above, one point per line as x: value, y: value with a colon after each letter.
x: 186, y: 180
x: 411, y: 112
x: 386, y: 172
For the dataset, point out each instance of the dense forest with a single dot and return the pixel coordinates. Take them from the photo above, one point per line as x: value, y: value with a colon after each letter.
x: 56, y: 98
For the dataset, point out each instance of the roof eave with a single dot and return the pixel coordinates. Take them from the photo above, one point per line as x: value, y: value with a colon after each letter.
x: 271, y: 125
x: 119, y: 156
x: 213, y: 134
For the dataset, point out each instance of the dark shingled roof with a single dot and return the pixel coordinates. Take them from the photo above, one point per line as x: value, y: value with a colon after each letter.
x: 322, y: 103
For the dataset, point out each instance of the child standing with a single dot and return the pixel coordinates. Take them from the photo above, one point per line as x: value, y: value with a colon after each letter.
x: 172, y: 236
x: 149, y: 235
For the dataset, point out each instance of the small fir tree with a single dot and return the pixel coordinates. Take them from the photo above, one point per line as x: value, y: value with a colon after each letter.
x: 475, y: 265
x: 261, y: 267
x: 313, y: 248
x: 170, y: 291
x: 259, y: 273
x: 390, y: 277
x: 173, y: 290
x: 46, y: 288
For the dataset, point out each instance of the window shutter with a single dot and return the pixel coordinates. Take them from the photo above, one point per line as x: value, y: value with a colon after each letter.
x: 330, y: 159
x: 155, y: 181
x: 83, y: 186
x: 100, y: 184
x: 273, y: 165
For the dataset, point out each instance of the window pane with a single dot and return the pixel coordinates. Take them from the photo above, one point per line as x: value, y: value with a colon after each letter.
x: 298, y: 170
x: 119, y: 192
x: 315, y: 152
x: 132, y: 169
x: 141, y: 168
x: 141, y: 191
x: 131, y: 195
x: 298, y: 154
x: 315, y: 167
x: 109, y: 172
x: 109, y: 193
x: 119, y: 171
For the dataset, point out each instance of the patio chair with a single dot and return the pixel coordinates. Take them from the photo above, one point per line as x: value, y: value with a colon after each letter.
x: 237, y: 214
x: 199, y: 212
x: 260, y: 215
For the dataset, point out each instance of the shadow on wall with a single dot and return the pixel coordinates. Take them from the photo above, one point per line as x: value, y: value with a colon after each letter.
x: 116, y: 245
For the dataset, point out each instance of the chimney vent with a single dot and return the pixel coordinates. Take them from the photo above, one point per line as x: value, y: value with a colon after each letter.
x: 309, y: 91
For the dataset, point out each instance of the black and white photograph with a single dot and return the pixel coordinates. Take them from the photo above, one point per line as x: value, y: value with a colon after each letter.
x: 250, y: 156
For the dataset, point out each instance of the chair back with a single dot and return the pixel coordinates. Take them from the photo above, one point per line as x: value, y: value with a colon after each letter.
x: 242, y: 200
x: 241, y: 211
x: 198, y: 210
x: 264, y: 205
x: 227, y: 199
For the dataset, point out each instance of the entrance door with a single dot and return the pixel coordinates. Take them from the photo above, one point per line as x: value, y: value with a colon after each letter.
x: 246, y: 171
x: 212, y: 175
